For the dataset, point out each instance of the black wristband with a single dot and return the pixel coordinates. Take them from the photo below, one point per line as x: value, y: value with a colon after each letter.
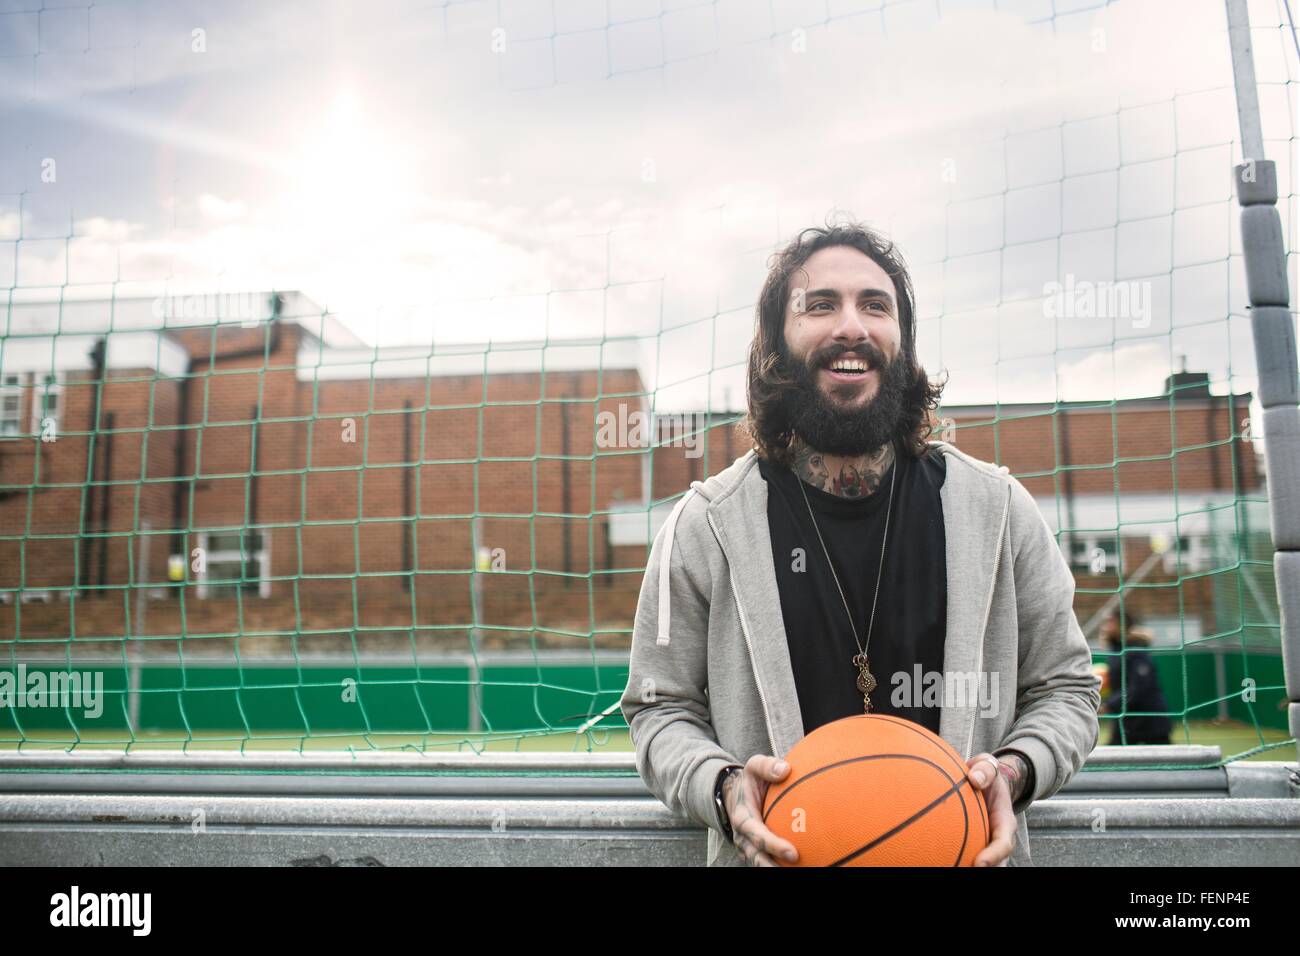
x: 724, y: 822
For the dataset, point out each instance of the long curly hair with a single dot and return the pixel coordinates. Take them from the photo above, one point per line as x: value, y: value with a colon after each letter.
x: 766, y: 425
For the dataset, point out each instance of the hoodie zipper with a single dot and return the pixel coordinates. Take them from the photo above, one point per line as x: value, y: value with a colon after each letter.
x: 762, y: 698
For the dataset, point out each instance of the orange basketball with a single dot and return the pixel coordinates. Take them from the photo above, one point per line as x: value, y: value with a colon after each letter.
x: 876, y: 790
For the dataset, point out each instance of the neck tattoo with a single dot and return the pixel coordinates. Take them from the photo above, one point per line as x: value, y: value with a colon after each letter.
x: 849, y: 476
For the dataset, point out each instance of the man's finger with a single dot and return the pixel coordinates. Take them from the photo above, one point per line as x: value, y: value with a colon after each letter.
x: 768, y: 768
x: 998, y: 849
x: 996, y: 852
x: 1004, y: 828
x: 767, y: 841
x: 754, y: 854
x: 981, y: 770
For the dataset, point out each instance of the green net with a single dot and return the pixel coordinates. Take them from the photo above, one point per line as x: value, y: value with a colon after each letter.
x: 245, y: 519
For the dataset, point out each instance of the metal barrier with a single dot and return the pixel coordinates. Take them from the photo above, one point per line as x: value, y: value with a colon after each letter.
x: 385, y: 809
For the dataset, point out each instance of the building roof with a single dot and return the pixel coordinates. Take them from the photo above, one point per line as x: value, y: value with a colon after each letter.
x: 468, y: 358
x: 40, y: 333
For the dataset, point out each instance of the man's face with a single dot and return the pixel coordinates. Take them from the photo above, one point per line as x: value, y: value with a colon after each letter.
x: 842, y: 312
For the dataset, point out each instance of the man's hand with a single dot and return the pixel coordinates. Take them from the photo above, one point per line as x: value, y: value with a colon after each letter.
x: 743, y: 792
x: 997, y: 794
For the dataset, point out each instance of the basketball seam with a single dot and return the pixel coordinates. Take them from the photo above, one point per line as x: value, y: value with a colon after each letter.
x: 911, y: 727
x: 965, y: 830
x: 954, y: 786
x: 841, y: 763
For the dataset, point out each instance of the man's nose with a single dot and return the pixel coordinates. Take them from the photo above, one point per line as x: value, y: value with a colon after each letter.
x: 850, y: 327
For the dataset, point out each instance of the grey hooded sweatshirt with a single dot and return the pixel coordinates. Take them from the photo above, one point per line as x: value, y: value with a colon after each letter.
x: 710, y: 682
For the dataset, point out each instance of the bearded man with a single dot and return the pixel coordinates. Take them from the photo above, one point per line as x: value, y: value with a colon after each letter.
x: 846, y: 554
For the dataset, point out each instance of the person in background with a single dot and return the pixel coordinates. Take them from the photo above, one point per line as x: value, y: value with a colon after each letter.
x: 1133, y: 684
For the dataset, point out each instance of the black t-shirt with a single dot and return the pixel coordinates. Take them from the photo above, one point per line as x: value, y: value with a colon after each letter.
x: 911, y: 612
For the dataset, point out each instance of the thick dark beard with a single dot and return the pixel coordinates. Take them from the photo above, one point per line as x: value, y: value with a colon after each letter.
x: 833, y: 430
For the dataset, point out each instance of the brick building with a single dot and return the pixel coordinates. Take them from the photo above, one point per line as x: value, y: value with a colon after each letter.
x: 1160, y: 497
x: 253, y: 471
x: 294, y: 459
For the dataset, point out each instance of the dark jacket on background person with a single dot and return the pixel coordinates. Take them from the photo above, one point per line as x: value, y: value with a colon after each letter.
x: 1133, y: 685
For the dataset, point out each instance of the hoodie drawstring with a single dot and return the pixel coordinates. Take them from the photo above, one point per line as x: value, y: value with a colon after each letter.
x: 665, y: 597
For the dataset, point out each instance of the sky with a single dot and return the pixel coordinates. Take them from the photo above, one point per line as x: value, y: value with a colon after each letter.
x: 620, y: 170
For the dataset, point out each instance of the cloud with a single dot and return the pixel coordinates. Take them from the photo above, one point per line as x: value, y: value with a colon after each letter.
x: 221, y: 210
x: 108, y: 230
x: 636, y: 202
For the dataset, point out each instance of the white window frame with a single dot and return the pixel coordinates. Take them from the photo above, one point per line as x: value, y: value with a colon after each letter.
x: 262, y: 556
x: 14, y: 388
x: 1196, y: 557
x: 40, y: 388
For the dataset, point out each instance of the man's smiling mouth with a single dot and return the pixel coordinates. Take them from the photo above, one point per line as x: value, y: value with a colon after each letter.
x: 849, y: 368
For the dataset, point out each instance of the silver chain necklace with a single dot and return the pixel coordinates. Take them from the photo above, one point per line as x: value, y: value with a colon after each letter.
x: 866, y: 682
